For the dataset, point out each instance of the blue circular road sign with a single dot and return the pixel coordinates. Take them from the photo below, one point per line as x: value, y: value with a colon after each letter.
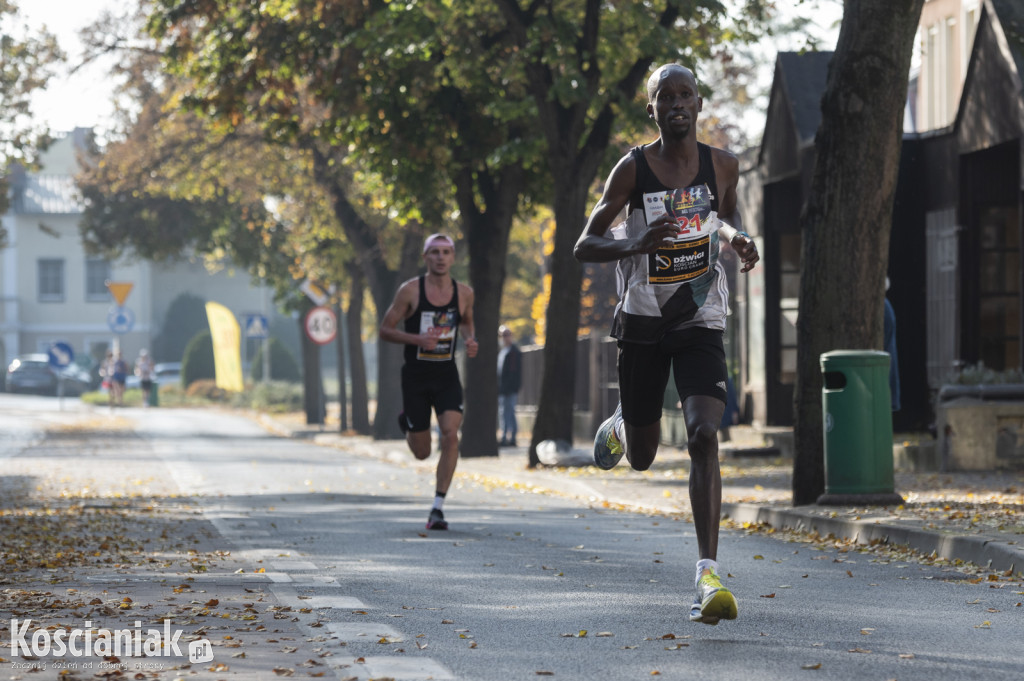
x: 60, y: 355
x: 120, y: 319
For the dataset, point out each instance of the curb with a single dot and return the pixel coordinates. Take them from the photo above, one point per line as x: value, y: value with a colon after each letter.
x: 989, y: 552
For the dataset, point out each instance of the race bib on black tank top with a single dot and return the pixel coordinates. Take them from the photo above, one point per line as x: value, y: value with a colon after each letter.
x: 441, y: 324
x: 689, y: 255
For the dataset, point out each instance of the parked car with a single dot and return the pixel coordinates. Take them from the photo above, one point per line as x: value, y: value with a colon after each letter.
x: 32, y: 373
x: 164, y: 373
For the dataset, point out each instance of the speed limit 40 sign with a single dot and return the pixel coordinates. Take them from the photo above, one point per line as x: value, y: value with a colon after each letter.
x: 321, y: 325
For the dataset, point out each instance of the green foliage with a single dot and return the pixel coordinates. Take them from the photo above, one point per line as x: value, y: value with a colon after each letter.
x: 27, y: 61
x: 283, y: 366
x: 185, y: 317
x: 206, y: 389
x: 275, y: 396
x: 197, y: 363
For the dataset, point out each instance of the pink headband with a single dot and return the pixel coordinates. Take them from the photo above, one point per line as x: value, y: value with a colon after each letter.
x: 443, y: 238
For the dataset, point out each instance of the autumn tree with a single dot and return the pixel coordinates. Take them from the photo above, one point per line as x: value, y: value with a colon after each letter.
x: 848, y: 217
x: 415, y: 94
x: 27, y: 61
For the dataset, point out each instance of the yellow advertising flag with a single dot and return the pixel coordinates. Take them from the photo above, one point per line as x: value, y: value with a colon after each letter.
x: 227, y: 354
x: 120, y: 290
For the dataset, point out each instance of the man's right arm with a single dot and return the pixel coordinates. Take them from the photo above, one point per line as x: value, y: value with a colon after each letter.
x: 594, y: 244
x: 401, y: 308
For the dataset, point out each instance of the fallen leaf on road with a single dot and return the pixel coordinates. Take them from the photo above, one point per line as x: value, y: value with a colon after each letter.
x: 771, y: 595
x: 816, y: 665
x: 858, y: 650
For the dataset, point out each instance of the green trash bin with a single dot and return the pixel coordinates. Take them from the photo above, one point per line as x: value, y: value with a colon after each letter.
x: 857, y: 424
x: 154, y: 394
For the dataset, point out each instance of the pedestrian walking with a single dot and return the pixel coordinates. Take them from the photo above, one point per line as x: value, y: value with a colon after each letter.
x: 144, y: 369
x: 889, y: 343
x: 682, y: 205
x: 119, y: 375
x: 432, y: 308
x: 510, y: 379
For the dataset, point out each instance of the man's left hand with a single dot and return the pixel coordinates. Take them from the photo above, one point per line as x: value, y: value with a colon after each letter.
x: 746, y: 249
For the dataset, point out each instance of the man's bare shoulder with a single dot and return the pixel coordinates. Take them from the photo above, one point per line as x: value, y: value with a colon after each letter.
x: 727, y: 164
x: 409, y: 290
x: 410, y: 284
x: 724, y: 156
x: 623, y: 176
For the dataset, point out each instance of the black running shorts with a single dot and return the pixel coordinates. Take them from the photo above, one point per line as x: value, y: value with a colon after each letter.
x: 422, y: 390
x: 696, y: 354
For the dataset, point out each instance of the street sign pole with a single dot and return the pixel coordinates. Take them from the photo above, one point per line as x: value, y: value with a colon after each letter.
x: 60, y: 356
x: 266, y: 342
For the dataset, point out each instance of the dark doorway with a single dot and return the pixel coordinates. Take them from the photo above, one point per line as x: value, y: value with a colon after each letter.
x: 990, y: 250
x: 782, y: 204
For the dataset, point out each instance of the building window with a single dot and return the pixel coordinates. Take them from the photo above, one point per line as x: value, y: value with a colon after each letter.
x: 999, y: 288
x: 952, y: 87
x: 970, y: 27
x: 789, y: 304
x: 51, y: 280
x: 932, y: 100
x: 97, y: 273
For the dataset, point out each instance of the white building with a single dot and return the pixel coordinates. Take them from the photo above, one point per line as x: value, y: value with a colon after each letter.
x: 945, y: 37
x: 51, y: 290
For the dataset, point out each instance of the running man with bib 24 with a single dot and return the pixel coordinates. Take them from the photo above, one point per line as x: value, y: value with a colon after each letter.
x: 680, y: 197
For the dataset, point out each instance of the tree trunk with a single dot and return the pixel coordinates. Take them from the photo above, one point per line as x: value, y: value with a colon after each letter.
x: 389, y: 355
x: 357, y: 361
x: 487, y: 235
x: 558, y: 384
x: 339, y: 345
x: 312, y: 393
x: 848, y: 216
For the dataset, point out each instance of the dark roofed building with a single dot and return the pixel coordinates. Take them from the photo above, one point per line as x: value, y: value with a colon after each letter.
x: 954, y: 253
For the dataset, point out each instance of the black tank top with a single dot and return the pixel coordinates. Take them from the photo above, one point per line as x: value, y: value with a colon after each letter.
x: 647, y: 181
x: 444, y: 318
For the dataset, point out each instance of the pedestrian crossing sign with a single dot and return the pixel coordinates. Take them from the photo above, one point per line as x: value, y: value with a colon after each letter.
x: 256, y: 326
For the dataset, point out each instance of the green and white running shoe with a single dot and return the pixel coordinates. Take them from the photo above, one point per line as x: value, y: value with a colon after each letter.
x: 608, y: 449
x: 714, y: 602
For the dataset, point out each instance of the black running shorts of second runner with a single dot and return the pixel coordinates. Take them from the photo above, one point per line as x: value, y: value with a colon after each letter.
x: 698, y: 356
x: 422, y: 390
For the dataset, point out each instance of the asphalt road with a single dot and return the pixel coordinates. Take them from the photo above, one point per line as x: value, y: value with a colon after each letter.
x: 524, y: 585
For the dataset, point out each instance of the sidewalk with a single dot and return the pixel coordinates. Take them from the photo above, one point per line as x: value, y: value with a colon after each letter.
x: 968, y: 517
